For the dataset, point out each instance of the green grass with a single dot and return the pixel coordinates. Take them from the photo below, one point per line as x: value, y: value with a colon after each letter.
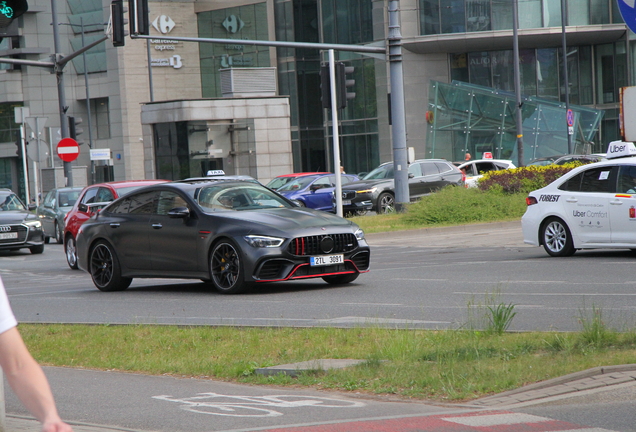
x: 449, y: 206
x: 442, y: 365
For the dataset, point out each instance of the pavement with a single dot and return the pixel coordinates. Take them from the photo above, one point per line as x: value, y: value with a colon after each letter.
x: 507, y: 234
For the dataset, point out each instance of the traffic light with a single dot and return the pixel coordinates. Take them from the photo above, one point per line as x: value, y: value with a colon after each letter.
x: 325, y: 88
x: 10, y: 10
x: 118, y: 22
x: 139, y: 22
x: 74, y: 130
x: 344, y: 83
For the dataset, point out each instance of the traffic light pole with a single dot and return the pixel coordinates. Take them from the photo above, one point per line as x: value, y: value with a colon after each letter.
x: 336, y: 136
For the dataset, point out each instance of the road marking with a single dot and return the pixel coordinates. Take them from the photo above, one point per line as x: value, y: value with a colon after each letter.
x: 497, y: 419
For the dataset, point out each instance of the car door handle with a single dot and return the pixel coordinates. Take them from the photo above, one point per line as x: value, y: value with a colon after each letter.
x: 114, y: 225
x: 572, y: 200
x: 616, y: 202
x: 157, y: 226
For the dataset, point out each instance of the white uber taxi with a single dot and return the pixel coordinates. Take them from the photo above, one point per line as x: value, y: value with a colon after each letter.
x: 593, y: 206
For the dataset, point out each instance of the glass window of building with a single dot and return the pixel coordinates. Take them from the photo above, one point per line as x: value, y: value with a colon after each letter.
x: 453, y: 16
x: 100, y: 118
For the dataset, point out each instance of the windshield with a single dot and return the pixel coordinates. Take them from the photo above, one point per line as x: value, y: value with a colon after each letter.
x: 381, y: 172
x: 239, y: 197
x: 297, y: 184
x: 278, y: 182
x: 67, y: 199
x: 10, y: 201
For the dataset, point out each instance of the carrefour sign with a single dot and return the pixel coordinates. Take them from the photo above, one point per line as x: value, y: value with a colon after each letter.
x: 628, y: 12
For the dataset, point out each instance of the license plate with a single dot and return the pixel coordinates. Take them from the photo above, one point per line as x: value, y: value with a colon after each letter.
x: 346, y: 202
x: 326, y: 260
x: 11, y: 235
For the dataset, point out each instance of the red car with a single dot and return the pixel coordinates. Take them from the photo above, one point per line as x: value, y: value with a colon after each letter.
x: 92, y: 199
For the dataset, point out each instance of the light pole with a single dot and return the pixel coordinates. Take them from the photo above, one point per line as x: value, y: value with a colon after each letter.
x: 566, y: 84
x: 515, y: 48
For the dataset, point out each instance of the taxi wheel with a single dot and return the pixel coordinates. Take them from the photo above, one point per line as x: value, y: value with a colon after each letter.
x: 557, y: 240
x: 226, y: 268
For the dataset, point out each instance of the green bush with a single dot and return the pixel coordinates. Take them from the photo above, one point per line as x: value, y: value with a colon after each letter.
x: 525, y: 179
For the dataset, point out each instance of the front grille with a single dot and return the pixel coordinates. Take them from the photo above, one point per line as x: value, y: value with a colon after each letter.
x: 315, y: 245
x: 22, y: 234
x: 348, y: 195
x: 308, y: 271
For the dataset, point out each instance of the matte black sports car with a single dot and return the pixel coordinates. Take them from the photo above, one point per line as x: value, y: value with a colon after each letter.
x: 232, y: 234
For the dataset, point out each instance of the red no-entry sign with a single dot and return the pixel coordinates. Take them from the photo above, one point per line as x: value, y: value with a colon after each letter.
x: 68, y: 149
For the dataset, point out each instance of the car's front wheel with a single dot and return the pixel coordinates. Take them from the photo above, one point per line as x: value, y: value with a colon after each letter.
x: 556, y: 238
x: 105, y: 270
x: 341, y: 279
x: 226, y: 268
x: 71, y: 253
x: 386, y: 203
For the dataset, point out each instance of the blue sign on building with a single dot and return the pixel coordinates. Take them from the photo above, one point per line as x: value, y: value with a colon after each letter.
x: 628, y: 11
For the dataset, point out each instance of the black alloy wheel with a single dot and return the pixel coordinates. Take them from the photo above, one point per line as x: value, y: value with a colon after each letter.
x: 556, y: 237
x: 226, y: 269
x: 341, y: 279
x: 386, y: 203
x: 71, y: 253
x: 105, y: 270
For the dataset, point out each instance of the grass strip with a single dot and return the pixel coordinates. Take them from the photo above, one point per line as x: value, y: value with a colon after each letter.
x: 451, y: 365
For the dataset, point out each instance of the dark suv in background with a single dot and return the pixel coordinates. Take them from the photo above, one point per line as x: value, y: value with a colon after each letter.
x: 377, y: 188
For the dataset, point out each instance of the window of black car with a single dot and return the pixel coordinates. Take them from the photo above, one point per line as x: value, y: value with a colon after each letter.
x: 429, y: 168
x: 601, y: 179
x: 443, y: 167
x: 381, y: 172
x: 169, y: 200
x: 10, y: 201
x: 143, y: 203
x: 238, y: 197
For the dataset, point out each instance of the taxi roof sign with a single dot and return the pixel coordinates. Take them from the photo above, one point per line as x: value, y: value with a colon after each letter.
x: 216, y: 173
x: 618, y: 149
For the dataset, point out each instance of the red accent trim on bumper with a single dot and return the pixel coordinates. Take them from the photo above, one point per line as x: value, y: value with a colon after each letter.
x: 292, y: 277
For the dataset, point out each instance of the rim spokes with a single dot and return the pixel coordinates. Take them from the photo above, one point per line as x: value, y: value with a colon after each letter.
x: 225, y: 266
x: 101, y: 265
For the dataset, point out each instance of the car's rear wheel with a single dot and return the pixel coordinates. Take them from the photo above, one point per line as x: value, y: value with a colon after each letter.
x: 226, y: 268
x: 557, y: 239
x: 37, y: 249
x: 59, y: 235
x: 105, y: 270
x: 386, y: 203
x: 71, y: 253
x: 341, y: 279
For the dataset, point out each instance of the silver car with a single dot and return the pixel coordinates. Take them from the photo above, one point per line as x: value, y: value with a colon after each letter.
x: 52, y: 210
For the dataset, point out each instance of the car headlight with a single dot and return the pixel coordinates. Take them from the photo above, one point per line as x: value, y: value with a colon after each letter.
x: 263, y: 241
x: 33, y: 224
x: 372, y: 190
x: 359, y: 234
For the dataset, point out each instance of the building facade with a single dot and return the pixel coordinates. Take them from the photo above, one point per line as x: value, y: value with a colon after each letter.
x: 150, y: 116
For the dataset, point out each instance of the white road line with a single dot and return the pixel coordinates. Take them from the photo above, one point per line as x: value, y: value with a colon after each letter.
x: 497, y: 419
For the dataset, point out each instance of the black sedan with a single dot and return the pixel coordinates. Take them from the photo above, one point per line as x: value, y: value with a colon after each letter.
x: 377, y: 189
x: 19, y: 228
x: 231, y: 234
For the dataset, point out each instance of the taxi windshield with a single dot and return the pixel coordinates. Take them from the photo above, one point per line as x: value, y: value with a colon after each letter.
x: 238, y: 198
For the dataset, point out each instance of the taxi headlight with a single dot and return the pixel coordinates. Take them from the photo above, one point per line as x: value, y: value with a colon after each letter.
x: 359, y: 234
x: 260, y: 241
x: 33, y: 224
x: 372, y: 190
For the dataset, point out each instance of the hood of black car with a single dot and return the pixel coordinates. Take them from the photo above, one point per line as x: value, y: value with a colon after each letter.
x: 15, y: 216
x: 292, y: 218
x: 366, y: 184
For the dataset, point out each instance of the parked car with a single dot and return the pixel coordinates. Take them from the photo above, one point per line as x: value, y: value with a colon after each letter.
x: 591, y: 206
x: 315, y: 191
x: 92, y: 199
x: 281, y: 180
x: 580, y: 158
x: 52, y: 210
x: 19, y: 227
x: 377, y: 188
x: 475, y: 169
x: 230, y: 234
x: 546, y: 160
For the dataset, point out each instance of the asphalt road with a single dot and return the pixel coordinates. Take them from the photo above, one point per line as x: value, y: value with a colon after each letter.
x: 424, y: 279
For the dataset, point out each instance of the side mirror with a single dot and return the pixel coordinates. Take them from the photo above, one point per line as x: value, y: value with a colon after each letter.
x: 179, y: 213
x: 411, y: 175
x: 32, y: 207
